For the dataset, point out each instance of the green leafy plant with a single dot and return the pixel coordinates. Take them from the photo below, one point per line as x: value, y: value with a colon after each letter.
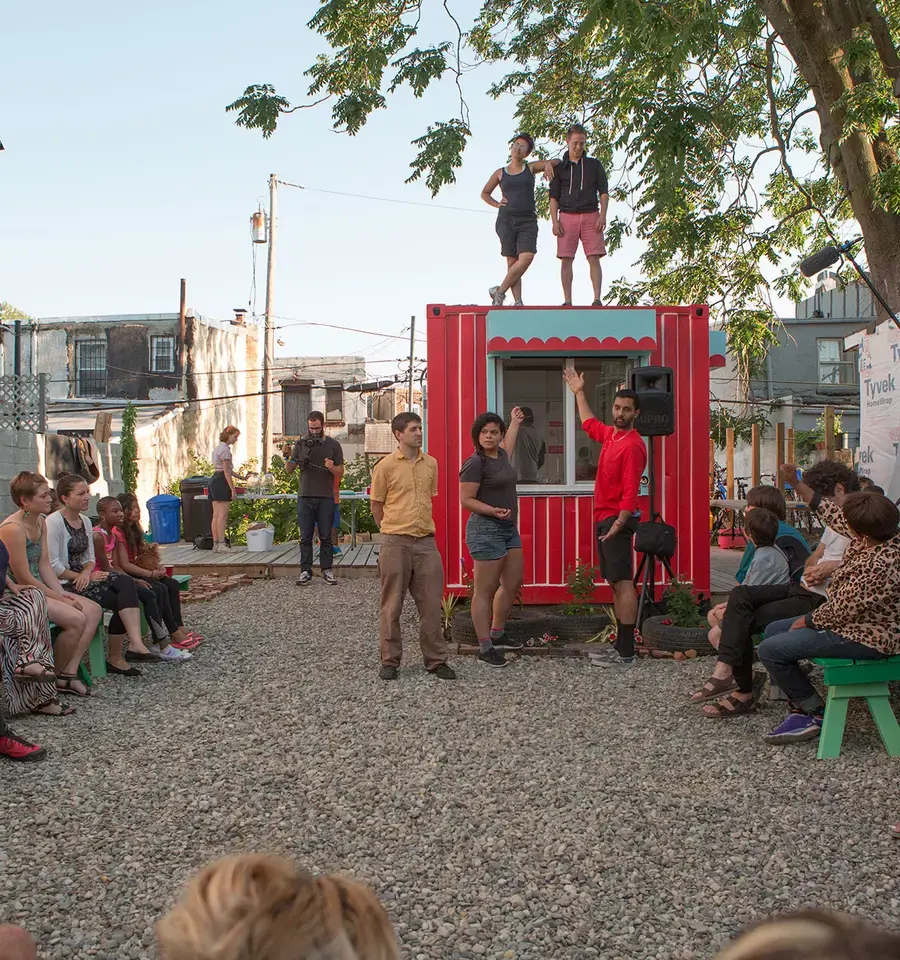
x: 449, y: 606
x: 721, y: 420
x: 128, y: 448
x: 681, y: 605
x: 581, y: 580
x: 806, y: 442
x: 608, y: 633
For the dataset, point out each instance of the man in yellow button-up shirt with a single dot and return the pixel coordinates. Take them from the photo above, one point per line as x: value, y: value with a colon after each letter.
x: 403, y: 485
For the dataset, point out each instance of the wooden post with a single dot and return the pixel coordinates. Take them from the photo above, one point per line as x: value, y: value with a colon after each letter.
x: 729, y: 462
x: 712, y: 467
x: 829, y: 432
x: 789, y: 451
x: 779, y: 453
x: 754, y: 455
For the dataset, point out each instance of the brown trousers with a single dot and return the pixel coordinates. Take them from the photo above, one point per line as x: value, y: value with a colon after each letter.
x: 413, y: 564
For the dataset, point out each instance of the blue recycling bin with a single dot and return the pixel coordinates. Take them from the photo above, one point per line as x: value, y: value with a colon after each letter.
x: 165, y: 518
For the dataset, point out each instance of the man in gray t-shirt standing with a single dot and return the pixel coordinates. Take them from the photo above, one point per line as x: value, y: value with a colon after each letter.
x: 320, y: 460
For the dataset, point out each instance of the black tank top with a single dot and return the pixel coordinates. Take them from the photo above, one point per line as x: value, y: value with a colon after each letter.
x: 518, y: 189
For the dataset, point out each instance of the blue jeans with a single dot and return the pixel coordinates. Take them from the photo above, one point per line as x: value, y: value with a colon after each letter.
x: 783, y: 649
x: 315, y: 512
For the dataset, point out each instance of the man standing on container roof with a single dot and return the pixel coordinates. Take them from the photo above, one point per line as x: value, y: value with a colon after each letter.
x: 579, y: 196
x: 623, y: 458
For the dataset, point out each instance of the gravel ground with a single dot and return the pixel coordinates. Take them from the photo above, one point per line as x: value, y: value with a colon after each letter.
x: 551, y: 810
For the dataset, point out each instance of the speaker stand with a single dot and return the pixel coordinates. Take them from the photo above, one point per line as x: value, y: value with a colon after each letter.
x: 646, y: 571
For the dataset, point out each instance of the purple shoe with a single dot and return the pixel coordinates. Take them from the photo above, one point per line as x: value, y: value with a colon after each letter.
x: 796, y: 727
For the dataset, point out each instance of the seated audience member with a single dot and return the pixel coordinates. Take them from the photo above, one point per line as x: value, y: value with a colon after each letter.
x: 789, y: 540
x: 750, y: 608
x: 16, y: 944
x: 24, y: 536
x: 262, y: 908
x: 70, y: 537
x: 860, y: 620
x: 813, y: 935
x: 145, y: 556
x: 112, y: 555
x: 769, y: 565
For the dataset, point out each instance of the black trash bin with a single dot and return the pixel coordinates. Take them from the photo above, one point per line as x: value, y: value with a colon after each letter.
x: 196, y: 515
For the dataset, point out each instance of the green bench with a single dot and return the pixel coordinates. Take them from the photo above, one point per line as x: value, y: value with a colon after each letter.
x: 96, y: 655
x: 847, y: 679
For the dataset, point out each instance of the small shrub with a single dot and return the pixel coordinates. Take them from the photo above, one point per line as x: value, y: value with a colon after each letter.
x: 581, y: 580
x: 681, y: 605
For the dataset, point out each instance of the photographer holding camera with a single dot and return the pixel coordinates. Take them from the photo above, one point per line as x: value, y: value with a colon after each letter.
x: 319, y: 459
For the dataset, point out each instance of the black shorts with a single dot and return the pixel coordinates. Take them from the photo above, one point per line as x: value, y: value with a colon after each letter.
x: 218, y: 487
x: 518, y: 234
x: 616, y: 555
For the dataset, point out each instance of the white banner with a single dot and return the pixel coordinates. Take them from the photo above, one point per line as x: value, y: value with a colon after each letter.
x: 879, y: 395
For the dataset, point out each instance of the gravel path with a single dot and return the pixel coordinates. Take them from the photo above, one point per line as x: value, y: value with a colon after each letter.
x: 546, y: 811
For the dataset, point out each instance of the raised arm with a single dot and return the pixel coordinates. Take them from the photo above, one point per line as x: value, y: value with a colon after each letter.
x: 508, y: 442
x: 826, y: 509
x: 489, y: 188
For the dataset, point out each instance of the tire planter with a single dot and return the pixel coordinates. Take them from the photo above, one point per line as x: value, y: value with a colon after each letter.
x: 523, y: 626
x: 665, y: 636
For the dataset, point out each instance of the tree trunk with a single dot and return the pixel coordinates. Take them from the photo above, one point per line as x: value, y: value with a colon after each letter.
x: 814, y: 34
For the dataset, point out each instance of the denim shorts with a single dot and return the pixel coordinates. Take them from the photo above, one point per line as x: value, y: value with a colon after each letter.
x: 491, y: 539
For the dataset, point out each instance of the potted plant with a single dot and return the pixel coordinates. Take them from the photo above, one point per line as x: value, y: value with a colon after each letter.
x: 683, y: 627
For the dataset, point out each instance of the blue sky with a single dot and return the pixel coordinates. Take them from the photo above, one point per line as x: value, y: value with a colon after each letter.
x: 122, y: 173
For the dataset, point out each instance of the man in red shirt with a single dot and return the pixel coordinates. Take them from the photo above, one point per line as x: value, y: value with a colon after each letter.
x: 623, y: 458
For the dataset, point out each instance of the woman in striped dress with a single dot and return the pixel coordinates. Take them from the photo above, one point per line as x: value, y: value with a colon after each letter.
x: 26, y: 655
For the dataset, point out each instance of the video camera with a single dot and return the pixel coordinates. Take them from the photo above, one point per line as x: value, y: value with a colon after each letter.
x: 310, y: 442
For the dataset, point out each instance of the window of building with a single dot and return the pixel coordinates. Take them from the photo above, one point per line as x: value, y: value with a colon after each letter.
x: 162, y: 354
x: 552, y: 448
x: 90, y: 368
x: 295, y: 410
x: 380, y: 406
x: 334, y: 404
x: 836, y: 365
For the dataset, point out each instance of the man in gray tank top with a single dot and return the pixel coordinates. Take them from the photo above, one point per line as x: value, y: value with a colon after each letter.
x: 517, y: 225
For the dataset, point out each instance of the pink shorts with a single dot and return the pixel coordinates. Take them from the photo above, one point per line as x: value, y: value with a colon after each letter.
x: 580, y: 226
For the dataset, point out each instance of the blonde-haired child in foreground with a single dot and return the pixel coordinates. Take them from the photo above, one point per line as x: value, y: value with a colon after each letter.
x: 264, y: 908
x: 814, y: 935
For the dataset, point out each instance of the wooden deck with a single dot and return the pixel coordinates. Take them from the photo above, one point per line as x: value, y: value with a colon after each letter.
x: 282, y: 561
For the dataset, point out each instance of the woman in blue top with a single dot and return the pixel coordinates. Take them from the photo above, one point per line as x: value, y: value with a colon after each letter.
x: 517, y: 225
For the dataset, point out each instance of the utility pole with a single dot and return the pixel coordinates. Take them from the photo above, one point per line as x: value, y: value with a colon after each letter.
x: 412, y: 359
x: 269, y: 334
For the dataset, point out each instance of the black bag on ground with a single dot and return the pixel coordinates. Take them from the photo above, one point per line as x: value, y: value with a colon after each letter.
x: 203, y: 543
x: 656, y: 538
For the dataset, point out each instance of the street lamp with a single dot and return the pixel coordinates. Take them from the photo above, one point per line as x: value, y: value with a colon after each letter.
x: 831, y: 254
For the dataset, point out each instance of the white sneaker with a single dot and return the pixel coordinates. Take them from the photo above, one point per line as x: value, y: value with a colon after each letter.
x: 172, y: 653
x: 496, y: 296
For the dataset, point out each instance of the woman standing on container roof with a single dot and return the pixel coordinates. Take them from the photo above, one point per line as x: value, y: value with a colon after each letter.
x: 517, y: 225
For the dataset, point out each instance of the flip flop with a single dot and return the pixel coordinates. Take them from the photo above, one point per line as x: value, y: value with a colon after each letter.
x: 186, y: 644
x: 193, y: 635
x: 45, y: 676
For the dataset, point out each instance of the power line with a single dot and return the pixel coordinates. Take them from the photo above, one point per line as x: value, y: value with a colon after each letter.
x: 334, y: 326
x: 406, y: 203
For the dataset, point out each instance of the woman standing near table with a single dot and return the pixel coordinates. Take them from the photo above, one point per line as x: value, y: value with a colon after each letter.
x: 221, y: 486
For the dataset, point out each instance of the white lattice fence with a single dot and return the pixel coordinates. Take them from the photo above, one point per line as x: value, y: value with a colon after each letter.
x: 23, y: 403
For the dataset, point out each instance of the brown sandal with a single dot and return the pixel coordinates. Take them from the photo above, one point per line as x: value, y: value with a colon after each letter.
x: 738, y: 708
x: 67, y: 679
x: 713, y: 689
x: 45, y: 676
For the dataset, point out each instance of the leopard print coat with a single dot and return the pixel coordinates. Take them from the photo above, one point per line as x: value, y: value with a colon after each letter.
x: 864, y: 593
